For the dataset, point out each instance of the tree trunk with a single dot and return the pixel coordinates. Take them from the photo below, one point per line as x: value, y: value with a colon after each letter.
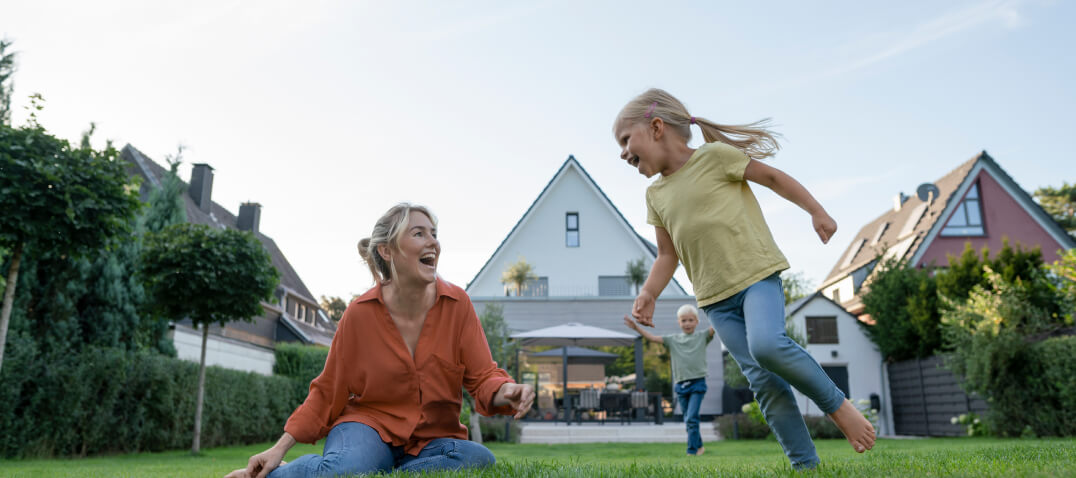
x: 9, y: 297
x: 196, y: 445
x: 476, y: 426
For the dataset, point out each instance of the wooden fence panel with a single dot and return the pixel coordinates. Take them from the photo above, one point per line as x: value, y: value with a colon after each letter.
x: 926, y: 396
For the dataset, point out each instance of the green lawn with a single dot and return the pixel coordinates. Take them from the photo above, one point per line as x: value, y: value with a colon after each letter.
x: 917, y: 457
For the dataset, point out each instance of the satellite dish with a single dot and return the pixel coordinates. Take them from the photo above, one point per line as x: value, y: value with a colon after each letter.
x: 927, y: 192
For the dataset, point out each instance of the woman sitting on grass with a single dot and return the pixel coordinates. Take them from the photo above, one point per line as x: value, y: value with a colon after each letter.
x: 390, y: 393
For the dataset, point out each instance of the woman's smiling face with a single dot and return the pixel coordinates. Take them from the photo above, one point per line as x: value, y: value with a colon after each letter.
x: 415, y: 257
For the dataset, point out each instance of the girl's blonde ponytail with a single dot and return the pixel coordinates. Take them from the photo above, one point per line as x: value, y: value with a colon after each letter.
x: 755, y: 139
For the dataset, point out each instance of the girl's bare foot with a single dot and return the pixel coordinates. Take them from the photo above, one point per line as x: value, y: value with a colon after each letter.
x: 700, y: 451
x: 856, y: 428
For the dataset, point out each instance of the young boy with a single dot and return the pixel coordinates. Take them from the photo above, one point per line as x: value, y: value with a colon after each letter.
x: 688, y: 350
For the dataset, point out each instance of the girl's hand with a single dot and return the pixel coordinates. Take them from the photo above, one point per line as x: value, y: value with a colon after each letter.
x: 630, y: 323
x: 643, y: 309
x: 824, y: 225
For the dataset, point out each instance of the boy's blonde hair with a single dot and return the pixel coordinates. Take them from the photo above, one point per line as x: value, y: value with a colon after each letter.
x: 685, y: 309
x: 755, y: 139
x: 388, y: 230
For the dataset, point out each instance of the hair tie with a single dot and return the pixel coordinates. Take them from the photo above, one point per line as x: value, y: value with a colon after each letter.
x: 650, y: 110
x: 692, y: 120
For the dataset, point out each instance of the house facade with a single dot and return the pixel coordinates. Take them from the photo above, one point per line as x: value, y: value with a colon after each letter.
x: 837, y: 342
x: 579, y: 245
x: 293, y: 316
x: 977, y: 203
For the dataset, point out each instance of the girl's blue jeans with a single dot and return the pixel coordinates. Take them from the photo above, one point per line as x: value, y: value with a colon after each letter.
x: 752, y: 326
x: 354, y: 448
x: 690, y: 393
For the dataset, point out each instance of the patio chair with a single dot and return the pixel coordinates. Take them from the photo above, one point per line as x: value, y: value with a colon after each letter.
x: 640, y: 400
x: 589, y: 399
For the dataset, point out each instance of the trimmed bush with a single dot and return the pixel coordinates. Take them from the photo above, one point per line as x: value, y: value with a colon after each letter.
x: 822, y: 427
x: 493, y: 429
x: 301, y: 362
x: 106, y: 400
x: 748, y: 428
x: 1051, y: 392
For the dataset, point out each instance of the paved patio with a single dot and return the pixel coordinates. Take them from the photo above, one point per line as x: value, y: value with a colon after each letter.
x: 612, y: 432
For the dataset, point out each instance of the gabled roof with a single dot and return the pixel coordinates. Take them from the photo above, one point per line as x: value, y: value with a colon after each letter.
x: 218, y: 216
x: 645, y: 246
x: 905, y: 240
x: 798, y: 304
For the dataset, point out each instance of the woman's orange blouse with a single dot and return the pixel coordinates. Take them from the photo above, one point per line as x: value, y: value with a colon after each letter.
x: 370, y: 377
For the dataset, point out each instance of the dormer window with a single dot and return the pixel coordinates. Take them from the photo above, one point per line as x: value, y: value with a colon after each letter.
x: 967, y: 218
x: 571, y: 225
x: 878, y: 235
x: 853, y: 252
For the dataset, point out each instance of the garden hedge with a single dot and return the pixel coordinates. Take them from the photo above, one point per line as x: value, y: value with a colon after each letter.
x: 107, y: 400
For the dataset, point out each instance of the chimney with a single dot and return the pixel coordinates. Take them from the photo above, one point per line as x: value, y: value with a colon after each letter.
x: 250, y: 214
x: 201, y: 189
x: 898, y: 201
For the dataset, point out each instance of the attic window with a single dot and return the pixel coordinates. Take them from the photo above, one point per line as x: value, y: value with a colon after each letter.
x: 853, y: 252
x: 878, y: 235
x: 967, y: 218
x: 571, y: 234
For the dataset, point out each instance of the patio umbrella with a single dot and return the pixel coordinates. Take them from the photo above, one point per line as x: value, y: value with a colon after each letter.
x: 575, y: 334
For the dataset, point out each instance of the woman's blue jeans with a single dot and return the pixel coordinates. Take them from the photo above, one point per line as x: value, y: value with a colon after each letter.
x: 690, y: 393
x: 752, y: 326
x: 355, y: 448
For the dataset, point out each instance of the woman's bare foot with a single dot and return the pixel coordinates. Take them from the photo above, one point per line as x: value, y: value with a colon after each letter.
x: 856, y: 428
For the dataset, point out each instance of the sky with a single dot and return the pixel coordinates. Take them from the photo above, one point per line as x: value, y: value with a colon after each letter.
x: 328, y: 113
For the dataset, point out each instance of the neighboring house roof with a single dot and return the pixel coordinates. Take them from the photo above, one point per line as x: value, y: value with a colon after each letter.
x: 909, y: 231
x: 218, y: 216
x: 645, y: 246
x: 798, y: 304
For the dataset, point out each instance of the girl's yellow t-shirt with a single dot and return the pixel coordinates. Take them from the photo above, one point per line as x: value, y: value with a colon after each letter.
x: 715, y: 223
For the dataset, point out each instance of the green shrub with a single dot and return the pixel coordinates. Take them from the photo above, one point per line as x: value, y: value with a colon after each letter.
x: 998, y: 349
x: 107, y: 400
x: 740, y: 425
x: 301, y: 362
x: 754, y: 411
x: 903, y: 302
x: 1051, y: 391
x: 493, y: 429
x: 822, y: 427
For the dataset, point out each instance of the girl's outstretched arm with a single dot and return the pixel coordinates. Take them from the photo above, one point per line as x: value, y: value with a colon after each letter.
x: 660, y: 275
x: 787, y: 187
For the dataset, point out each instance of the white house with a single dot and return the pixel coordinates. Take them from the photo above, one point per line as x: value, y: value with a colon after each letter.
x: 579, y: 245
x: 838, y: 344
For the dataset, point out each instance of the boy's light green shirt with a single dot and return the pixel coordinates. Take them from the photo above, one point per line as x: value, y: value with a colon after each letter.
x: 715, y: 223
x: 688, y: 353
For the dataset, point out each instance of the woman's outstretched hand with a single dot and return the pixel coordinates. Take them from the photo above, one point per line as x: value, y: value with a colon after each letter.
x: 824, y: 225
x: 520, y: 397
